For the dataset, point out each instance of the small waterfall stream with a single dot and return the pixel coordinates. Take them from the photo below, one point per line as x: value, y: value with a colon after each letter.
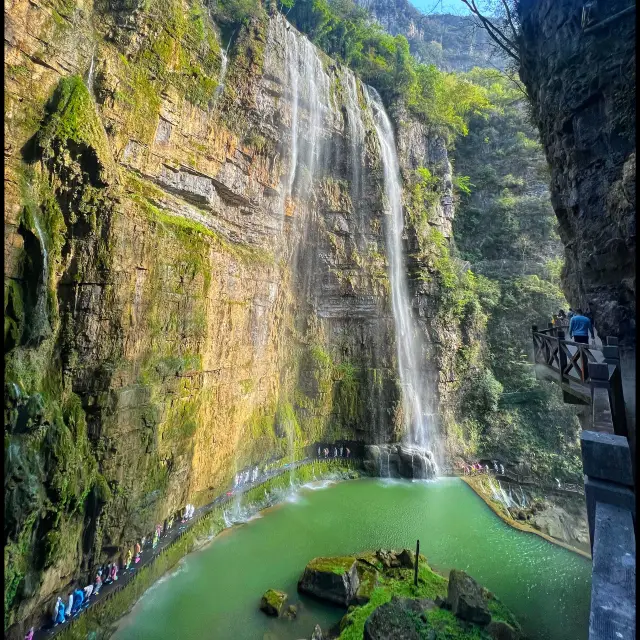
x: 223, y: 73
x: 356, y: 130
x: 409, y: 347
x: 40, y: 326
x: 91, y: 74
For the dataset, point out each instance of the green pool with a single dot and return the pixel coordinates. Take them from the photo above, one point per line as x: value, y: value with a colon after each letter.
x: 215, y: 592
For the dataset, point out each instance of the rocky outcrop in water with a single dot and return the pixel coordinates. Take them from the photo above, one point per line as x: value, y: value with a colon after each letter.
x: 272, y: 602
x: 458, y: 608
x: 333, y: 579
x: 399, y: 461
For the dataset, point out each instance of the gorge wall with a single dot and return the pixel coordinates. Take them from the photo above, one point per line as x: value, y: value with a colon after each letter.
x: 581, y: 79
x: 195, y: 271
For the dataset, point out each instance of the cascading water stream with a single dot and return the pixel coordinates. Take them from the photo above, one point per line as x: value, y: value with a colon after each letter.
x: 356, y: 131
x: 91, y: 75
x: 40, y: 326
x: 417, y: 422
x: 292, y: 65
x: 223, y: 73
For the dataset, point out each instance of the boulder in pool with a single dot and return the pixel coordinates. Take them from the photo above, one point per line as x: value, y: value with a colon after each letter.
x: 272, y: 602
x: 399, y: 618
x: 500, y: 630
x: 466, y: 598
x: 332, y: 579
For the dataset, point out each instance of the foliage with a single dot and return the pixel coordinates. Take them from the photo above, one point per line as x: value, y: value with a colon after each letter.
x: 346, y: 32
x: 506, y: 229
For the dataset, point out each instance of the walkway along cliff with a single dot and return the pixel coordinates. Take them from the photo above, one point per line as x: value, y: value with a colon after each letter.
x: 578, y: 63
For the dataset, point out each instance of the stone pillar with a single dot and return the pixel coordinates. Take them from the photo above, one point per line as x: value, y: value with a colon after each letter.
x: 606, y: 461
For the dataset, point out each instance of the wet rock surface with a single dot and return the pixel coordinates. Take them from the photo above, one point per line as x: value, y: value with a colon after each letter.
x: 399, y: 461
x: 466, y: 598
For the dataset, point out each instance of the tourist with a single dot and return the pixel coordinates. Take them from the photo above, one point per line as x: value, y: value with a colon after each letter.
x: 501, y: 469
x: 114, y: 572
x: 98, y: 582
x: 88, y: 590
x: 348, y: 452
x: 318, y: 452
x: 580, y: 327
x: 562, y: 317
x: 486, y: 466
x: 143, y: 541
x: 495, y: 466
x: 341, y: 451
x: 335, y: 452
x: 58, y: 612
x: 69, y: 606
x: 29, y: 635
x: 78, y: 599
x: 154, y: 544
x: 127, y: 564
x: 137, y: 550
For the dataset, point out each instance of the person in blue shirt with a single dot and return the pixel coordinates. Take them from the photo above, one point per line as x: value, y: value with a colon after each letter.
x: 580, y: 327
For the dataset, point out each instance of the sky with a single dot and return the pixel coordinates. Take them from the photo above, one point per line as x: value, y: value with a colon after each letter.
x: 440, y: 6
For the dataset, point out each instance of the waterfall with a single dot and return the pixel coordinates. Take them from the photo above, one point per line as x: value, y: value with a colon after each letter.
x: 40, y: 327
x: 292, y: 66
x: 90, y: 76
x: 356, y: 132
x: 417, y: 422
x: 309, y: 92
x: 223, y: 73
x: 292, y: 453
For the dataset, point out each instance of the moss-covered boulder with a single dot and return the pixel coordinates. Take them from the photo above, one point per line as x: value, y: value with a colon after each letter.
x: 501, y: 630
x: 272, y: 602
x: 467, y: 599
x: 333, y: 579
x: 404, y: 618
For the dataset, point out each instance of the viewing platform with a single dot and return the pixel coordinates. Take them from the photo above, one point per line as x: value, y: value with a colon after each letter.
x: 592, y: 376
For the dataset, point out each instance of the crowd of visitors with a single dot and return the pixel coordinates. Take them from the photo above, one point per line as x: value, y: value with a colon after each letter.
x: 476, y: 467
x: 79, y: 598
x: 338, y: 452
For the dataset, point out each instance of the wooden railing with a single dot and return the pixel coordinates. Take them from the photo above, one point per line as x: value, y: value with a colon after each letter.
x: 582, y: 370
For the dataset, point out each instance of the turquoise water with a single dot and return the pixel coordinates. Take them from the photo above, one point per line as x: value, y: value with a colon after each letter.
x: 215, y: 592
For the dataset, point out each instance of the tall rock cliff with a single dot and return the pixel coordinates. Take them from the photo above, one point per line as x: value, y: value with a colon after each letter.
x: 451, y: 42
x: 579, y: 68
x: 195, y: 270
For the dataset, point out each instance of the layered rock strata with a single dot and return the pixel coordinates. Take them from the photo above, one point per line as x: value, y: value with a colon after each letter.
x: 195, y: 274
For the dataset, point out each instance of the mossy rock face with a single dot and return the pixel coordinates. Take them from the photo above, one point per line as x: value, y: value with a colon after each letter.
x: 368, y: 577
x: 272, y: 602
x: 333, y: 579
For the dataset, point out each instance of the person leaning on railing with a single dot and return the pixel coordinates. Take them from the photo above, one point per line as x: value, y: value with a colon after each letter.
x: 580, y: 327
